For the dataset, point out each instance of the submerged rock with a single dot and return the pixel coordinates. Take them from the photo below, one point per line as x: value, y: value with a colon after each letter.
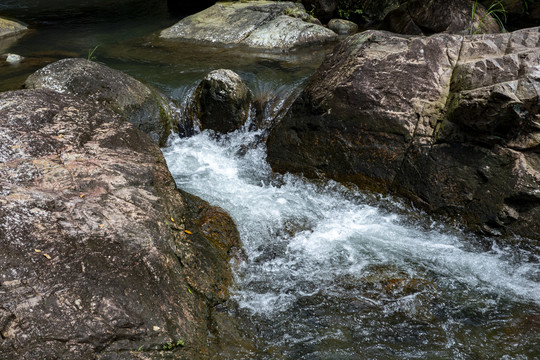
x: 461, y: 139
x: 425, y: 17
x: 221, y: 102
x: 101, y: 257
x: 263, y: 25
x: 143, y: 106
x: 10, y: 27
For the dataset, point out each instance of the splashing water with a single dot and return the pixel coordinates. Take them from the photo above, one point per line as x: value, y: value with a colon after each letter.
x: 329, y: 275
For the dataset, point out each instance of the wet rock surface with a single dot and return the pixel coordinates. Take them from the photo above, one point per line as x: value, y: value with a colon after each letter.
x: 10, y: 27
x: 262, y: 25
x: 143, y: 106
x: 448, y: 121
x: 101, y: 257
x: 221, y: 102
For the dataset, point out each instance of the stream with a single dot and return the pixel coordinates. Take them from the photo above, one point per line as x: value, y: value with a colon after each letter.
x: 329, y: 272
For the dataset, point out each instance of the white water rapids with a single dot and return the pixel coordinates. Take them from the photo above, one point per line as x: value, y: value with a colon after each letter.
x: 330, y: 274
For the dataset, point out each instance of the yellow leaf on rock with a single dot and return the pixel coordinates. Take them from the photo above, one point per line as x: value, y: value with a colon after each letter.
x: 37, y: 250
x: 82, y: 195
x: 101, y: 225
x: 47, y: 256
x: 188, y: 232
x: 172, y: 219
x: 60, y: 136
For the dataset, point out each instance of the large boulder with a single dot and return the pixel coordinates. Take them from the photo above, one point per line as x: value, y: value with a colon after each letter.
x: 358, y: 100
x: 425, y: 17
x: 10, y: 27
x: 140, y: 104
x: 262, y: 25
x: 451, y: 122
x: 221, y: 102
x: 101, y: 257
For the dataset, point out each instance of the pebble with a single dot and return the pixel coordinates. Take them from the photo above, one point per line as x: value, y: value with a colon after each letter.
x: 13, y: 58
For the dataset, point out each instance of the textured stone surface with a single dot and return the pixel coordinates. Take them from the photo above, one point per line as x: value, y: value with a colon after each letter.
x: 451, y: 122
x: 263, y: 25
x: 221, y: 102
x: 143, y: 106
x: 10, y: 27
x: 342, y: 27
x: 95, y: 262
x: 359, y: 99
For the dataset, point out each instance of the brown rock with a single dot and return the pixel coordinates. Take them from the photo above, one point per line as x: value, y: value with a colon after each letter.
x: 95, y: 259
x: 359, y: 100
x: 143, y: 106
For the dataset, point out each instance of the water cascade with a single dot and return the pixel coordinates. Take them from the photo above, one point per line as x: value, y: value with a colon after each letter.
x: 331, y: 274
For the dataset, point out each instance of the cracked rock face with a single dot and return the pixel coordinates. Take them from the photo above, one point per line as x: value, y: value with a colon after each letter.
x: 95, y: 262
x: 449, y: 121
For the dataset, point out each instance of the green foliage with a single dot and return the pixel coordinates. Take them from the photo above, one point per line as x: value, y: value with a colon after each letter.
x: 91, y: 56
x: 312, y: 11
x: 349, y: 10
x: 170, y: 346
x: 496, y: 11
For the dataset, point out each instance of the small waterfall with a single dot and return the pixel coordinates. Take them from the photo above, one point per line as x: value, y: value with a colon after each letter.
x: 270, y: 104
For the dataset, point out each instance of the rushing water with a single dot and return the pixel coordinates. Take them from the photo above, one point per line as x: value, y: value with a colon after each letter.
x: 329, y: 272
x: 331, y: 275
